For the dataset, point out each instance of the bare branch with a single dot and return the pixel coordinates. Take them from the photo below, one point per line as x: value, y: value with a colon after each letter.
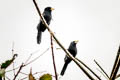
x: 103, y: 74
x: 88, y: 68
x: 102, y: 69
x: 117, y: 76
x: 18, y: 72
x: 23, y: 73
x: 115, y: 66
x: 13, y: 61
x: 53, y: 58
x: 36, y: 57
x: 66, y: 51
x: 31, y: 56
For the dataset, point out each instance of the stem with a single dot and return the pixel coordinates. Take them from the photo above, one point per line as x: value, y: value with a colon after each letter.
x: 13, y: 61
x: 18, y: 71
x: 53, y: 59
x: 88, y: 68
x: 115, y: 66
x: 102, y: 69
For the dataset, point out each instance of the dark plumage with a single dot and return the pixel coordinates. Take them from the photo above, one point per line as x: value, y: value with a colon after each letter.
x: 41, y: 27
x: 73, y: 50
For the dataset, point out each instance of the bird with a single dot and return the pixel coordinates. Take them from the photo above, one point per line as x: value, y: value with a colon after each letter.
x: 41, y: 26
x: 73, y: 51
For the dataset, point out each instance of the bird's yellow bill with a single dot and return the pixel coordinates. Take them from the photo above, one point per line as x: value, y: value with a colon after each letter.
x: 52, y: 9
x: 76, y: 41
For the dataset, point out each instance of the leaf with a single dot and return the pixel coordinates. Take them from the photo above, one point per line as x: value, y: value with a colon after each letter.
x: 46, y: 77
x: 31, y: 77
x: 8, y: 62
x: 2, y: 72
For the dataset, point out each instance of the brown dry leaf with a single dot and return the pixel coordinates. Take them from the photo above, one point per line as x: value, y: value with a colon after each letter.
x: 31, y: 77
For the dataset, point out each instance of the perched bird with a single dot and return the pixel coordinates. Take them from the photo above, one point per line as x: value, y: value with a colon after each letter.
x: 73, y: 50
x: 41, y: 27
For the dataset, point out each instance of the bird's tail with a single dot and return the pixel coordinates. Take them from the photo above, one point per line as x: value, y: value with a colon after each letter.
x: 64, y: 69
x: 39, y: 36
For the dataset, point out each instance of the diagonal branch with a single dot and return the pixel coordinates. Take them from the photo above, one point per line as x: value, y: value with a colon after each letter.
x: 102, y: 69
x: 66, y: 51
x: 18, y: 71
x: 102, y: 74
x: 53, y: 59
x: 115, y: 66
x: 36, y: 57
x: 88, y: 68
x: 31, y: 54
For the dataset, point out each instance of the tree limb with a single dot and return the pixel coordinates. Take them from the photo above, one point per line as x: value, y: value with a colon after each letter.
x: 89, y: 68
x: 115, y: 66
x: 102, y: 69
x: 117, y: 76
x: 18, y: 71
x: 53, y: 58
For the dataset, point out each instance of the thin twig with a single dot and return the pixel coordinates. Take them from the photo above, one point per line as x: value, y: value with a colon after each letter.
x: 13, y: 61
x: 18, y: 72
x: 88, y: 68
x: 30, y: 61
x: 31, y: 56
x: 102, y: 69
x: 66, y: 51
x: 116, y: 70
x: 103, y: 74
x: 38, y: 72
x: 36, y: 57
x: 7, y: 78
x: 53, y: 58
x: 115, y: 66
x: 23, y: 73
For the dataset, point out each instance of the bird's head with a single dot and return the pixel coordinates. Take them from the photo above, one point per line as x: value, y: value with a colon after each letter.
x: 49, y: 9
x: 75, y: 42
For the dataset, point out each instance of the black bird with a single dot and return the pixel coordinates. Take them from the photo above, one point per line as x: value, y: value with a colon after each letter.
x: 41, y: 27
x: 73, y: 50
